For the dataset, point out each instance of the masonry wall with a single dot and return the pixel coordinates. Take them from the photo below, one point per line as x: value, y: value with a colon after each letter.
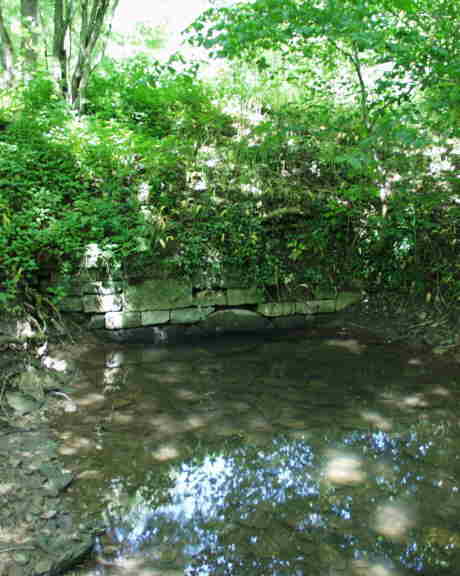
x: 116, y: 305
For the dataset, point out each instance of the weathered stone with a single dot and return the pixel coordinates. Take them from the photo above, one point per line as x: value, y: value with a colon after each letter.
x: 235, y: 321
x: 275, y: 309
x: 102, y: 287
x: 121, y: 320
x: 315, y: 307
x: 71, y: 304
x: 345, y: 299
x: 97, y: 322
x: 107, y: 303
x: 158, y: 294
x: 153, y: 317
x: 210, y: 298
x: 190, y: 315
x: 240, y: 296
x: 20, y: 403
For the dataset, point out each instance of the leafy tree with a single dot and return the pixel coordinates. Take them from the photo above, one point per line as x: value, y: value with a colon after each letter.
x: 382, y: 54
x: 78, y: 29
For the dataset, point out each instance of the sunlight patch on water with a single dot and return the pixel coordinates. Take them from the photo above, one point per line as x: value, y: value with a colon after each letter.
x: 344, y: 469
x: 377, y: 420
x: 394, y: 520
x: 351, y: 345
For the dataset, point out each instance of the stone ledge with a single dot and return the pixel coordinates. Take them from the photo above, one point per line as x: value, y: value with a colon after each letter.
x: 122, y: 320
x: 190, y: 315
x: 153, y: 317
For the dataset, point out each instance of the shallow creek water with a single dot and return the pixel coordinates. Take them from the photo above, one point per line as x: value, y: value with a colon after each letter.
x: 294, y: 456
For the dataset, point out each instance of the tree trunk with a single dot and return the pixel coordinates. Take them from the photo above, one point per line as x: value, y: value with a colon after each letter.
x: 63, y: 10
x: 93, y: 16
x: 7, y: 53
x: 29, y: 19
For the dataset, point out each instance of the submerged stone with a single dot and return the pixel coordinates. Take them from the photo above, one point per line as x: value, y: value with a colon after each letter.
x: 275, y: 309
x: 237, y: 320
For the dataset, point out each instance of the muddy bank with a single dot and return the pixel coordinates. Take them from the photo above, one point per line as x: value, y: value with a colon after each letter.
x: 40, y: 529
x: 412, y: 323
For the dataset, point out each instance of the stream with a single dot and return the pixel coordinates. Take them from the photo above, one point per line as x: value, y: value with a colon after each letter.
x: 287, y: 455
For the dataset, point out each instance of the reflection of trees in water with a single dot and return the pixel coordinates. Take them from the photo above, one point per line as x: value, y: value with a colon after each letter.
x: 379, y: 503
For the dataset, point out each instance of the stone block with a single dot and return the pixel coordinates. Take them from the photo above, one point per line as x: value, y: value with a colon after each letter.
x: 190, y: 315
x: 315, y: 307
x: 275, y: 309
x: 97, y: 322
x: 71, y: 304
x: 235, y: 321
x: 345, y: 299
x: 241, y: 296
x: 154, y: 317
x: 100, y: 304
x: 157, y: 294
x: 122, y: 320
x: 102, y: 287
x: 210, y: 298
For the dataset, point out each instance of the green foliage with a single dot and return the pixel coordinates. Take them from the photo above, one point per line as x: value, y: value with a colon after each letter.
x: 315, y: 180
x: 156, y: 98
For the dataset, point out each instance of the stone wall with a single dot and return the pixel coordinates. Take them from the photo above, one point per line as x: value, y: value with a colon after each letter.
x: 164, y: 303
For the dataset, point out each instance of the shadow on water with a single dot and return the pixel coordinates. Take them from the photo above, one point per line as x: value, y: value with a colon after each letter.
x: 320, y: 456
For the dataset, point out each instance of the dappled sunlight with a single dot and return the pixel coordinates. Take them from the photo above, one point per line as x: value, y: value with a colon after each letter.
x: 195, y: 422
x: 440, y: 391
x: 6, y: 488
x: 415, y: 401
x: 72, y: 444
x: 166, y: 452
x: 203, y: 460
x: 167, y: 424
x: 368, y: 568
x: 187, y: 395
x: 16, y: 537
x: 377, y: 420
x: 56, y: 364
x: 343, y: 468
x: 407, y: 403
x: 90, y: 475
x: 111, y: 378
x: 351, y: 345
x: 394, y: 521
x: 115, y: 359
x: 415, y: 362
x: 123, y: 418
x: 135, y: 566
x: 91, y: 400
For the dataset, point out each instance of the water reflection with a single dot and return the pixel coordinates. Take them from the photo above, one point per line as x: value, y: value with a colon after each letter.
x: 282, y: 458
